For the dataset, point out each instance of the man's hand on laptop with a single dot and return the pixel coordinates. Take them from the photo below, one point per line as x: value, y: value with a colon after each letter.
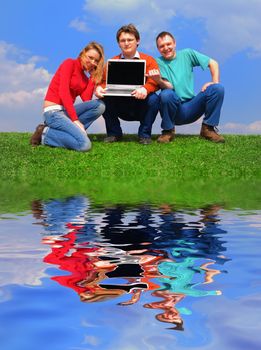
x: 99, y: 92
x: 140, y: 93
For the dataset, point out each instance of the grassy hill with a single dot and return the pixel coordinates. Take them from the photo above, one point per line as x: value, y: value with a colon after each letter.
x: 189, y: 171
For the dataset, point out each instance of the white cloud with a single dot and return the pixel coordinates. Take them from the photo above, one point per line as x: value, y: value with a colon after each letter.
x: 98, y: 127
x: 79, y: 25
x: 227, y: 128
x: 21, y: 98
x: 114, y: 6
x: 230, y: 26
x: 148, y: 16
x: 18, y: 265
x: 22, y: 88
x: 16, y: 76
x: 238, y: 128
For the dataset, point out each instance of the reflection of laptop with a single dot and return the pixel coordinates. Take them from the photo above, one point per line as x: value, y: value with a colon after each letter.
x: 124, y: 76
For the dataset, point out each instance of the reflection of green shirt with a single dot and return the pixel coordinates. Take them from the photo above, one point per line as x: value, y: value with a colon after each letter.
x: 180, y: 278
x: 179, y: 71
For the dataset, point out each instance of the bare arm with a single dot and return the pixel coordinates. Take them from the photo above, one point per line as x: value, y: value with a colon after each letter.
x: 214, y: 71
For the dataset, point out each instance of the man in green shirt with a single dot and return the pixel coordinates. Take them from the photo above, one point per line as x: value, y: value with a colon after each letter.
x: 178, y: 103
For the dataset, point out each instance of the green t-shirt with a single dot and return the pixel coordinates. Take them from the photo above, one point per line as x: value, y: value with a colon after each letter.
x: 179, y: 71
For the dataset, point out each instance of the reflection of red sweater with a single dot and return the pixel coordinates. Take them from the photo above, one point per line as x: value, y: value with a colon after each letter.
x: 77, y: 263
x: 68, y: 82
x: 151, y: 63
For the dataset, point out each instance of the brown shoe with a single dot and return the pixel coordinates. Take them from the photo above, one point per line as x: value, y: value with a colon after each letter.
x: 145, y: 140
x: 111, y: 139
x: 167, y: 136
x: 37, y: 135
x: 208, y: 132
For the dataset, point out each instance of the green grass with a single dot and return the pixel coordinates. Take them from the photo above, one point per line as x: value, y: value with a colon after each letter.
x: 187, y: 158
x: 190, y: 171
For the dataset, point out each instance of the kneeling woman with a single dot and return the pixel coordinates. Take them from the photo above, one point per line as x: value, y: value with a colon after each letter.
x: 65, y: 123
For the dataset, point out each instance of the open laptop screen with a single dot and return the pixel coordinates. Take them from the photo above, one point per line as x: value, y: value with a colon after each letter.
x: 126, y: 72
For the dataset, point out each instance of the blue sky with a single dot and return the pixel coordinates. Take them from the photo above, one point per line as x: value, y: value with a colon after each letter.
x: 36, y: 36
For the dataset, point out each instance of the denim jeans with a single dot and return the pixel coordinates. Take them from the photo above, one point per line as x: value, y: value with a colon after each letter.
x: 130, y: 109
x: 62, y: 132
x: 175, y: 112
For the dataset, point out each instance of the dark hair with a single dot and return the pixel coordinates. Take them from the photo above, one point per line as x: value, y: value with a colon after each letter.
x: 129, y: 28
x: 162, y: 34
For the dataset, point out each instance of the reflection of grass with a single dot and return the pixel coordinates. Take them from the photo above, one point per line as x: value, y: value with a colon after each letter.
x: 188, y: 171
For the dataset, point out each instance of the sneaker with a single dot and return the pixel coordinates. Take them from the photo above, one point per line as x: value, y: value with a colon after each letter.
x: 209, y: 132
x: 111, y: 139
x: 167, y: 136
x: 145, y: 140
x: 37, y: 135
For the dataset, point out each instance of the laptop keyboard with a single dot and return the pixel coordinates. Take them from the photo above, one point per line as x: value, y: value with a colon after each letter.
x: 119, y: 91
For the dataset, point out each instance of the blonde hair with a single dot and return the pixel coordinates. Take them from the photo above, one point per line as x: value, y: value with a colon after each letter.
x: 97, y: 74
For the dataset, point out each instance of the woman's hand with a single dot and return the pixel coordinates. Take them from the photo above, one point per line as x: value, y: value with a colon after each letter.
x: 80, y: 125
x: 99, y: 92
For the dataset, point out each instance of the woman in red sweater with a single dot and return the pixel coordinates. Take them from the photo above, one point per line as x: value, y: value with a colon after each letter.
x: 65, y: 124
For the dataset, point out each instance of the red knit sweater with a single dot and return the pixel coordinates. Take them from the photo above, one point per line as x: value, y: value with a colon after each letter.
x: 68, y: 82
x: 151, y: 63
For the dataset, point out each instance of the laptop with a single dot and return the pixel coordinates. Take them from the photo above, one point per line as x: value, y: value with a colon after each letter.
x: 124, y: 75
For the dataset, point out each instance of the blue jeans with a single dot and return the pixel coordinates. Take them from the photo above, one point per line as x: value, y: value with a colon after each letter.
x: 175, y: 112
x: 130, y: 109
x: 62, y: 132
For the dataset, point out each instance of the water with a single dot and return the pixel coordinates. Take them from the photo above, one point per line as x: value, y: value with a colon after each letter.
x: 74, y: 275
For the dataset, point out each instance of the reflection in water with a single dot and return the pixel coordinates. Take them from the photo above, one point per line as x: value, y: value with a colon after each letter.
x: 121, y: 251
